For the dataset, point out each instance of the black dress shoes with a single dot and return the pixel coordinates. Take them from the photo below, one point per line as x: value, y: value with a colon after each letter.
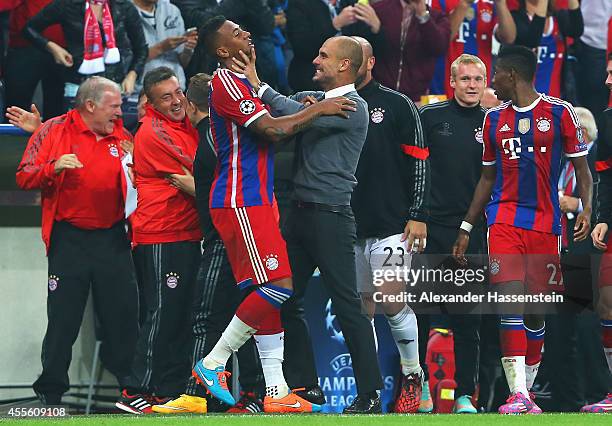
x: 365, y: 404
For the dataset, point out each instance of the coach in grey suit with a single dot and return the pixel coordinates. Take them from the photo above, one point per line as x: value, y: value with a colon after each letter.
x: 320, y: 228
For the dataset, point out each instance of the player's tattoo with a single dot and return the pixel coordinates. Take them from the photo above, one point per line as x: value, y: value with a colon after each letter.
x: 301, y: 126
x: 273, y: 131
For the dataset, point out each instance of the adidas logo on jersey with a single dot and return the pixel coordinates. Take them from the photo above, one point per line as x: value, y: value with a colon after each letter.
x: 505, y: 128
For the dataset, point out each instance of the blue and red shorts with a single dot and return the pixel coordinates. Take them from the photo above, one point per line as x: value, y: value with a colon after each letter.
x: 531, y: 257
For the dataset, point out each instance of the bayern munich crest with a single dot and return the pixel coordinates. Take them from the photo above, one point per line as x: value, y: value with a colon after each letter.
x: 53, y: 282
x: 494, y: 266
x: 112, y: 148
x: 543, y: 124
x: 271, y: 262
x: 377, y: 115
x: 486, y: 16
x: 247, y: 107
x: 172, y: 280
x: 478, y: 135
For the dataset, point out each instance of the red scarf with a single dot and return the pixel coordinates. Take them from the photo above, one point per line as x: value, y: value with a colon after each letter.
x: 94, y: 56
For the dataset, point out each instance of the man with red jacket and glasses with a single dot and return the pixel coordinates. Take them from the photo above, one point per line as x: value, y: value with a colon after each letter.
x: 166, y: 233
x: 75, y: 160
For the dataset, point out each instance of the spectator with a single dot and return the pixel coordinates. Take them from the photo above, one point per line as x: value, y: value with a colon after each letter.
x: 83, y: 201
x: 169, y: 44
x: 541, y: 27
x: 590, y: 50
x: 415, y: 36
x: 310, y: 23
x: 280, y: 44
x: 363, y: 22
x: 26, y: 65
x: 473, y: 25
x: 84, y: 55
x: 254, y: 16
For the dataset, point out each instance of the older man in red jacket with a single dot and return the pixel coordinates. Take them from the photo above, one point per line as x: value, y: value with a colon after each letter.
x: 415, y: 36
x: 75, y: 160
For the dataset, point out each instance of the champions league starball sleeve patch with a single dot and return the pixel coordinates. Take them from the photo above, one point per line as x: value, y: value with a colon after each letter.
x: 247, y: 107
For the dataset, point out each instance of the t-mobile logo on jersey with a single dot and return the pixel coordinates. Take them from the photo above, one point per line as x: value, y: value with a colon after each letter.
x: 541, y: 54
x: 513, y: 147
x: 464, y: 31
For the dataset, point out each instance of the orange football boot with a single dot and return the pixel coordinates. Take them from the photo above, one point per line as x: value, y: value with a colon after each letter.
x: 290, y: 403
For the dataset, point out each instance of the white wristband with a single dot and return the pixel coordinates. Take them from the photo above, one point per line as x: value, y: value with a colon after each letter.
x: 262, y: 88
x: 467, y: 227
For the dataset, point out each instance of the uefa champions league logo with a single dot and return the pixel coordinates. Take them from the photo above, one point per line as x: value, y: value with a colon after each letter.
x: 336, y: 334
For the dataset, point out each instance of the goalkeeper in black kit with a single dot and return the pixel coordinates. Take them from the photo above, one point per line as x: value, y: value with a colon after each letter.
x: 453, y: 130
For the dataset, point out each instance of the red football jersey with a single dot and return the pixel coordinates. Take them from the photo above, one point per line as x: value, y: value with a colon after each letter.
x: 526, y: 146
x: 245, y: 163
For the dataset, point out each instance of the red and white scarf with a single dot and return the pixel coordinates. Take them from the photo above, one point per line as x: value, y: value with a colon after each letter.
x: 94, y: 54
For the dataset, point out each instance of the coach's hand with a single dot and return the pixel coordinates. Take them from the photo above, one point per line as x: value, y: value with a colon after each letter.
x: 246, y: 65
x: 336, y: 106
x: 583, y: 225
x: 416, y: 235
x: 67, y: 161
x: 460, y: 247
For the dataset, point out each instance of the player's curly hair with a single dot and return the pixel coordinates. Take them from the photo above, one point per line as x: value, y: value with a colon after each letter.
x: 209, y: 34
x: 519, y: 58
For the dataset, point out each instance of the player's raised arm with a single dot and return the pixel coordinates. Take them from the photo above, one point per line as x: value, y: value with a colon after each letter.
x: 277, y: 129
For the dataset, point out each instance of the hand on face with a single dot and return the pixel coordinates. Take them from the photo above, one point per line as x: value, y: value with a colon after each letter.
x: 246, y: 65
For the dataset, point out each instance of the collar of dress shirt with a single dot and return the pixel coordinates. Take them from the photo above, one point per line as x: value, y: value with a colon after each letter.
x: 340, y: 91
